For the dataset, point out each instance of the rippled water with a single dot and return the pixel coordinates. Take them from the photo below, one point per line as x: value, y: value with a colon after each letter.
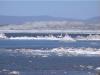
x: 27, y: 64
x: 47, y: 44
x: 54, y: 65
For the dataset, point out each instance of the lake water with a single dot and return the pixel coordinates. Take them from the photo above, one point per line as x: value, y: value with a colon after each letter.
x: 52, y: 65
x: 47, y: 44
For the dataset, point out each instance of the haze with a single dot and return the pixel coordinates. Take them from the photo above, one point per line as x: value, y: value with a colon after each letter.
x: 68, y: 9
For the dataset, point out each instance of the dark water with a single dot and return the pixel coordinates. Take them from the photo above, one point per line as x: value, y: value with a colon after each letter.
x: 49, y: 65
x: 38, y: 44
x: 53, y: 65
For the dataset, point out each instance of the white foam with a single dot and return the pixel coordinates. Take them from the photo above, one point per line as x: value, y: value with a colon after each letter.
x: 89, y: 37
x: 51, y: 37
x: 58, y: 52
x: 66, y: 38
x: 2, y: 36
x: 13, y: 73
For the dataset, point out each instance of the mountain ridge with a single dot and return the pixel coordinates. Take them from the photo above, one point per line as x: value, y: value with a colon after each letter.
x: 22, y: 19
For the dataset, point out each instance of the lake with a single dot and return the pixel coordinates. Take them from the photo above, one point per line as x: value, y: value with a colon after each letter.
x: 51, y: 65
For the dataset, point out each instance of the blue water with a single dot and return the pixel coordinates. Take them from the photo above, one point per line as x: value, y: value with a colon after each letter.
x: 54, y: 65
x: 47, y: 44
x: 49, y: 65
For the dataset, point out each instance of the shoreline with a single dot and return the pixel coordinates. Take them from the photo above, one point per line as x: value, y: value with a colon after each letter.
x: 52, y: 31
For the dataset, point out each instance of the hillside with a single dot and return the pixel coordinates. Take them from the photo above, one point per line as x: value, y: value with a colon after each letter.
x: 47, y: 23
x: 23, y: 19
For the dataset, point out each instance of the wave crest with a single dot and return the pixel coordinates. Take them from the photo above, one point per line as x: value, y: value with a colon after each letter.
x: 57, y: 52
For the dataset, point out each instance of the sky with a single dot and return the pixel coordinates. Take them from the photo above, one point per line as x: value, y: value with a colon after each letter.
x: 75, y: 9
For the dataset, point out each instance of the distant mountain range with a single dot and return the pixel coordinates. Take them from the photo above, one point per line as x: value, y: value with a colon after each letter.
x: 23, y: 19
x: 5, y: 20
x: 94, y: 19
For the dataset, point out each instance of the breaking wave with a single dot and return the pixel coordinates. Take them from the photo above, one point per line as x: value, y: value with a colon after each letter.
x: 56, y: 52
x: 51, y: 37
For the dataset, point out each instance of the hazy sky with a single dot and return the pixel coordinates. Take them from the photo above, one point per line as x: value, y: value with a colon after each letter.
x: 77, y: 9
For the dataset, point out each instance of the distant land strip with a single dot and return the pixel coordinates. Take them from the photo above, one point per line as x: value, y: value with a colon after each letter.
x: 53, y: 31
